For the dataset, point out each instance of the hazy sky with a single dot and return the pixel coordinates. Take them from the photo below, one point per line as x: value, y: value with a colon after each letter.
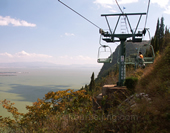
x: 45, y: 30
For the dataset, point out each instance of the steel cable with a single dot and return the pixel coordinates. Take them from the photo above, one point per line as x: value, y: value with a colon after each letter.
x: 147, y: 13
x: 79, y: 14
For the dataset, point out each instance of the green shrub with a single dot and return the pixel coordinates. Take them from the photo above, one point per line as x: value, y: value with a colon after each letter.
x: 130, y: 83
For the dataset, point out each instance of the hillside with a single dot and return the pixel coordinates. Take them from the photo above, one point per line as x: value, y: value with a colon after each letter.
x: 147, y: 110
x: 155, y: 82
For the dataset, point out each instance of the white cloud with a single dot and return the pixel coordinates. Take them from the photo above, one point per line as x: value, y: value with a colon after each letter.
x: 167, y: 10
x: 80, y: 59
x: 23, y: 57
x: 6, y: 54
x: 161, y: 3
x: 4, y: 21
x: 127, y: 1
x: 31, y: 55
x: 69, y: 34
x: 22, y: 54
x: 113, y: 11
x: 34, y: 57
x: 109, y: 3
x: 85, y: 58
x: 104, y: 2
x: 107, y: 6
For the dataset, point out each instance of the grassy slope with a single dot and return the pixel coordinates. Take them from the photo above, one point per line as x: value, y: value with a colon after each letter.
x: 156, y: 82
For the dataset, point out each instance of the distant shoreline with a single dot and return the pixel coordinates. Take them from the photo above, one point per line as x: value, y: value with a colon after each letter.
x: 8, y: 75
x: 11, y: 73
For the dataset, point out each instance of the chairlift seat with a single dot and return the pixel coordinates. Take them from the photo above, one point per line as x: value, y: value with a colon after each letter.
x: 132, y: 56
x: 137, y: 40
x: 107, y: 39
x: 104, y: 60
x: 146, y: 45
x: 110, y: 40
x: 148, y: 60
x: 129, y: 60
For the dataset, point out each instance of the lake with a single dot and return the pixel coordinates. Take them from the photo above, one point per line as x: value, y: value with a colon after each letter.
x: 23, y: 86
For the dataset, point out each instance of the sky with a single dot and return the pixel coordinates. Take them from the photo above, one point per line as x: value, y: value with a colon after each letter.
x: 47, y: 31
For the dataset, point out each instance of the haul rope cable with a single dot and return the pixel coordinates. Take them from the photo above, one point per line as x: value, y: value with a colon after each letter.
x: 119, y: 7
x: 79, y: 14
x: 147, y: 13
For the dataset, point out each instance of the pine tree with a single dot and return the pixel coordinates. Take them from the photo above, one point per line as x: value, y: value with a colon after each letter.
x: 161, y: 37
x: 82, y: 88
x: 161, y: 34
x: 92, y: 83
x: 158, y: 40
x: 166, y: 37
x: 157, y: 28
x: 86, y: 88
x: 156, y: 37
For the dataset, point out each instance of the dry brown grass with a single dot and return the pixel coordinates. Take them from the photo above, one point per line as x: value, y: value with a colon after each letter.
x: 155, y: 82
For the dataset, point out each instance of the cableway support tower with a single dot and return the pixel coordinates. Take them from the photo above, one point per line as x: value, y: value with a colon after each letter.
x: 110, y: 37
